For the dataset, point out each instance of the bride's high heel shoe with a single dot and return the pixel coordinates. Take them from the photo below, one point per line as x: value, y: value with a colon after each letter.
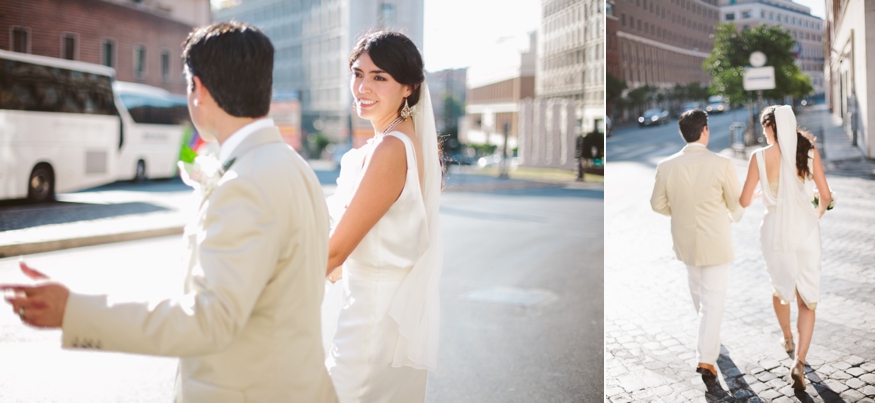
x: 788, y: 344
x: 797, y: 375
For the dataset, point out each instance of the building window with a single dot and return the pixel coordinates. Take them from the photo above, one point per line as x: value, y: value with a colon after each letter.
x: 165, y: 65
x: 20, y: 39
x: 68, y: 46
x: 730, y: 16
x: 387, y: 14
x: 139, y: 61
x: 108, y: 50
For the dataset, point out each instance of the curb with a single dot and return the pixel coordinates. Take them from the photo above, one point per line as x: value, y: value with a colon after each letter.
x: 28, y: 248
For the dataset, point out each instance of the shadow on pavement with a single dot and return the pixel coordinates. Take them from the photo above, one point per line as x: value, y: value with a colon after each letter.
x: 734, y: 378
x: 34, y: 215
x: 828, y: 395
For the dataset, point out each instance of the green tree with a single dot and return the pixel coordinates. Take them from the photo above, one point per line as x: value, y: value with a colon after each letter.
x: 614, y: 88
x: 731, y: 53
x: 642, y: 95
x: 453, y: 110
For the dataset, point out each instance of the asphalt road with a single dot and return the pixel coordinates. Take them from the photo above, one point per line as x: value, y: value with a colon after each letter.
x: 634, y: 143
x: 522, y: 317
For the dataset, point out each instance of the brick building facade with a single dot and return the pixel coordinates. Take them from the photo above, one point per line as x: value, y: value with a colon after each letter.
x: 663, y: 43
x: 142, y: 45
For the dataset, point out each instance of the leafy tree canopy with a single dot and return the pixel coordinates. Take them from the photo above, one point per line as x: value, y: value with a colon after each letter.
x: 731, y: 53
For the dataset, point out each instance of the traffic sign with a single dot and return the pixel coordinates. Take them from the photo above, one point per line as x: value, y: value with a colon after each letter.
x: 759, y: 78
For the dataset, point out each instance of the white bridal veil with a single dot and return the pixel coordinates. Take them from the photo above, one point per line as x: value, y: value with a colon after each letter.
x: 416, y: 306
x: 795, y: 217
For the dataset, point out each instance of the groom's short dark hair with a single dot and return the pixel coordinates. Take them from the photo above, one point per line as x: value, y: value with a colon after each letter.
x: 691, y: 124
x: 234, y: 61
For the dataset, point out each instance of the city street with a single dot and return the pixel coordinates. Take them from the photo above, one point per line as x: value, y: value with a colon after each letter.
x: 650, y: 323
x: 522, y: 313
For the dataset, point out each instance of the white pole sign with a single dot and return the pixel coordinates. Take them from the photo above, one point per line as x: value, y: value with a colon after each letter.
x: 759, y: 78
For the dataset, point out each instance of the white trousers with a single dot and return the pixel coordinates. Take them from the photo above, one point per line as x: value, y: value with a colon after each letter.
x: 708, y: 289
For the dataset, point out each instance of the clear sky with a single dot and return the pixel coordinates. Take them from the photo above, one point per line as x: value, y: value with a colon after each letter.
x: 456, y: 30
x: 817, y: 7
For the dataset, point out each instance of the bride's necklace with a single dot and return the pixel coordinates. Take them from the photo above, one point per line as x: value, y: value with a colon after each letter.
x: 392, y: 125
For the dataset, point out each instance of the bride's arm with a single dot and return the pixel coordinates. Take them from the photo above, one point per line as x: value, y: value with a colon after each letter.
x: 381, y: 184
x: 820, y: 181
x: 750, y: 184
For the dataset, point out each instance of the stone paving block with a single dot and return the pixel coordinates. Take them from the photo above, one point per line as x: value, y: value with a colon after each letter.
x: 835, y: 385
x: 854, y: 360
x: 856, y: 371
x: 770, y: 394
x: 614, y: 391
x: 855, y: 383
x: 868, y: 390
x: 622, y: 398
x: 840, y: 375
x: 842, y: 365
x: 868, y: 378
x: 851, y: 395
x: 765, y: 376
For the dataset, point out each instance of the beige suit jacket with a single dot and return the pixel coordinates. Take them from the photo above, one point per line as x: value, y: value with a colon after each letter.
x: 699, y: 190
x: 247, y: 328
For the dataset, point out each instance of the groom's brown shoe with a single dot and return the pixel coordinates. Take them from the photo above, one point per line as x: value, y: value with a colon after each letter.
x: 709, y: 373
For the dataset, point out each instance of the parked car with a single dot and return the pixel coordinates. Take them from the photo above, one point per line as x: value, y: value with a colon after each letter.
x: 716, y: 107
x: 688, y: 107
x: 653, y: 117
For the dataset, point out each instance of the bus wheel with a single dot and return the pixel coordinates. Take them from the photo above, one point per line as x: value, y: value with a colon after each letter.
x: 140, y: 176
x: 41, y: 185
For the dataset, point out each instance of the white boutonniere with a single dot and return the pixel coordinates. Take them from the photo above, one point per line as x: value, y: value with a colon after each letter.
x: 816, y: 201
x: 203, y: 175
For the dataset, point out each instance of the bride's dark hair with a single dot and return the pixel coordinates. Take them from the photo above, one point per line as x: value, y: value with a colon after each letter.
x: 804, y: 141
x: 394, y: 53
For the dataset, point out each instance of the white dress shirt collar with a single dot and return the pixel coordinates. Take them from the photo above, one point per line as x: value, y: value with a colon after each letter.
x: 241, y: 134
x: 696, y: 144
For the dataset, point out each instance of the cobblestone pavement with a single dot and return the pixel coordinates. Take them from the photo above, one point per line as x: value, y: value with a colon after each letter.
x: 650, y: 323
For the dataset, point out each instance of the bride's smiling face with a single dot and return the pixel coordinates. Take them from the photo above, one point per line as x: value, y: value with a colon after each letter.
x: 377, y: 95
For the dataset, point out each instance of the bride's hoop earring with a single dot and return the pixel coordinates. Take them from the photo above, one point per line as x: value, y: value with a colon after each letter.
x: 406, y: 111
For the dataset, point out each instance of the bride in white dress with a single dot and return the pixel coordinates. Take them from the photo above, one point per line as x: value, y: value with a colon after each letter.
x: 385, y: 251
x: 787, y: 171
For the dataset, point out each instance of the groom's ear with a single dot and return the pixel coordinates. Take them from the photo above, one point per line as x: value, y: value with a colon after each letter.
x: 200, y: 92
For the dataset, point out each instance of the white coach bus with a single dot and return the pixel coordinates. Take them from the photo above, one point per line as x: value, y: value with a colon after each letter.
x: 154, y: 129
x: 59, y: 127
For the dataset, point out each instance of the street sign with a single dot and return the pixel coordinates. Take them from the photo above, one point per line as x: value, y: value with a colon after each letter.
x: 757, y: 59
x: 759, y: 78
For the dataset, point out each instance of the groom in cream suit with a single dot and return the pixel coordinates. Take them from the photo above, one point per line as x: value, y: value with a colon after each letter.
x: 247, y: 328
x: 699, y: 190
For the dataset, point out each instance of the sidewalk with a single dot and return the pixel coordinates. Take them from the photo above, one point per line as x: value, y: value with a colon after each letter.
x: 121, y: 212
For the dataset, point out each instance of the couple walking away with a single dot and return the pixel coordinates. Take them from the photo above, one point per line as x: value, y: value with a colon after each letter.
x: 247, y: 327
x: 700, y: 191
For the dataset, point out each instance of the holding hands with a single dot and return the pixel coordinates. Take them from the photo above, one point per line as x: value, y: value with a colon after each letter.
x: 39, y: 305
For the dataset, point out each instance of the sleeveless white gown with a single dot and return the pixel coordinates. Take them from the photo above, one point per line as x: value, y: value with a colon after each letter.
x: 790, y: 270
x: 360, y: 356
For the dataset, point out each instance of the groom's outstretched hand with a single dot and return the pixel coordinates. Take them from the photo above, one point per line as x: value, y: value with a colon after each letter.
x: 41, y: 304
